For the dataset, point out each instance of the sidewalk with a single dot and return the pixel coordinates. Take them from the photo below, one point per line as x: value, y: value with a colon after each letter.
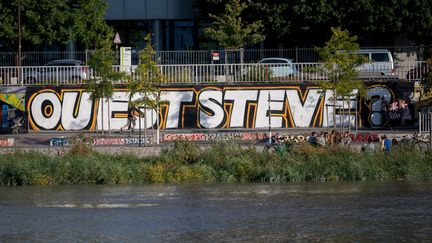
x: 43, y: 138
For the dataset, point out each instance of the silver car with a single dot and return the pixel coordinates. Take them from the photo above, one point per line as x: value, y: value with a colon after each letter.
x: 64, y: 71
x: 280, y: 67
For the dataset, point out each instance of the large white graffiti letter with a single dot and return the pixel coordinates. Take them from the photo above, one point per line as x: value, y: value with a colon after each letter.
x: 240, y: 99
x: 277, y: 98
x: 302, y: 112
x: 76, y: 110
x: 45, y: 110
x: 175, y: 99
x: 211, y: 112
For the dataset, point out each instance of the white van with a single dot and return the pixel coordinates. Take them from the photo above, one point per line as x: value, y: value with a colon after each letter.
x: 380, y: 62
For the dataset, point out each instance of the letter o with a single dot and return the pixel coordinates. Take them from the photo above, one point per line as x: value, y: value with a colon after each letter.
x: 38, y: 111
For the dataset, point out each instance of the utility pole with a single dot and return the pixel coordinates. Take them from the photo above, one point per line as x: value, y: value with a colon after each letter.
x: 19, y: 41
x: 269, y: 120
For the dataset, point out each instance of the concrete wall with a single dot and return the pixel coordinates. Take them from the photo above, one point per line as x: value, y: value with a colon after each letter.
x: 214, y: 106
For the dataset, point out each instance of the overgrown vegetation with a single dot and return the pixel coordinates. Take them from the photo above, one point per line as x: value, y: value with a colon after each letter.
x: 222, y: 162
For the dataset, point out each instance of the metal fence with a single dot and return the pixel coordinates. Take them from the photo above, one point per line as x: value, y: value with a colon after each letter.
x: 425, y: 122
x: 39, y: 58
x: 300, y: 55
x: 400, y: 53
x: 209, y: 73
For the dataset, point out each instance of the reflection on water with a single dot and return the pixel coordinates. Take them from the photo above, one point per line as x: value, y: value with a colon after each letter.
x: 399, y: 211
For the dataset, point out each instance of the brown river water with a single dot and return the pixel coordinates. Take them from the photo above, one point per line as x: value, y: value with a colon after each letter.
x: 330, y: 212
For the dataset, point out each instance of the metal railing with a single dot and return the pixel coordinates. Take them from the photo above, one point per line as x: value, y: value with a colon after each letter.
x: 211, y: 73
x: 39, y: 58
x: 425, y: 122
x: 298, y: 54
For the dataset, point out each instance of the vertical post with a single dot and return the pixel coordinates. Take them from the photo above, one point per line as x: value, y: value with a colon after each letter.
x: 145, y: 124
x: 139, y: 130
x: 19, y: 43
x: 102, y: 115
x: 420, y: 122
x: 343, y: 115
x: 430, y: 128
x: 157, y: 122
x: 269, y: 109
x: 327, y: 118
x: 356, y: 115
x: 349, y: 113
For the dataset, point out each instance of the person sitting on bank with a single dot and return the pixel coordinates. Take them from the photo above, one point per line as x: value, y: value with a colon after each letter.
x: 313, y: 139
x: 322, y: 139
x: 386, y: 144
x: 346, y: 139
x: 369, y: 146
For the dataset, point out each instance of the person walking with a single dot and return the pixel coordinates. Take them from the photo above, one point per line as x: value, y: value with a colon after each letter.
x: 131, y: 118
x: 405, y: 113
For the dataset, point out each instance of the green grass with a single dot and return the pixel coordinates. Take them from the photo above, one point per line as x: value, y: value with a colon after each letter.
x: 222, y: 162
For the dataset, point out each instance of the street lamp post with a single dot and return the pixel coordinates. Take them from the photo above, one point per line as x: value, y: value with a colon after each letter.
x: 19, y: 41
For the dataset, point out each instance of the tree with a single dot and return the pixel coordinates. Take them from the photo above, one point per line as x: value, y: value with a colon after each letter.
x: 101, y: 83
x: 229, y: 29
x: 46, y: 22
x: 144, y: 85
x: 339, y: 59
x: 305, y: 22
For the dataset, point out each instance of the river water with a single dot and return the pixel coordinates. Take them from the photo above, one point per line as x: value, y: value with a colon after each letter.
x: 397, y: 211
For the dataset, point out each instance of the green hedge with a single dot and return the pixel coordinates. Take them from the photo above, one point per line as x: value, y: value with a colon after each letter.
x: 222, y: 162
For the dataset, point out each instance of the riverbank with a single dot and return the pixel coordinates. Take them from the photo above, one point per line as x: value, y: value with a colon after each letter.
x: 222, y: 162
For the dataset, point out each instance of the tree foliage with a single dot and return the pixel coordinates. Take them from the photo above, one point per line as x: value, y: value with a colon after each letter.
x: 146, y: 80
x: 340, y: 58
x: 303, y: 22
x: 104, y: 76
x: 46, y: 22
x: 231, y: 31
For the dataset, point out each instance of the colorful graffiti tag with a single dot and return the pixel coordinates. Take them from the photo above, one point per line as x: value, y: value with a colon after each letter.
x: 215, y: 106
x: 13, y: 116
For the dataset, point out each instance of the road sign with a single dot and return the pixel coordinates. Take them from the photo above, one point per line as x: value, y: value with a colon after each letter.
x: 215, y: 56
x: 117, y: 40
x: 126, y: 59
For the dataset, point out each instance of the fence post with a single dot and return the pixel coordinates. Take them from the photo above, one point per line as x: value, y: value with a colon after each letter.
x: 430, y: 128
x: 420, y: 123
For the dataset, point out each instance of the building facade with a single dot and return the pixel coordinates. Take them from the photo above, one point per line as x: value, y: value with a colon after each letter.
x: 172, y: 23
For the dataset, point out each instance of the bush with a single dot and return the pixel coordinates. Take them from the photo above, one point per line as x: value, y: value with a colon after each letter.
x: 186, y: 162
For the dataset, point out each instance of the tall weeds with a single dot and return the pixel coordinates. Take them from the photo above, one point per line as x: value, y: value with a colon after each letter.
x: 221, y: 162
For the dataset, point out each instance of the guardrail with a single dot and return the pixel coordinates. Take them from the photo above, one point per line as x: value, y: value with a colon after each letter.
x: 211, y: 73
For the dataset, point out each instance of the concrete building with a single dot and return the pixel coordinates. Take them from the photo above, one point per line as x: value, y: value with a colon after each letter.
x: 172, y: 22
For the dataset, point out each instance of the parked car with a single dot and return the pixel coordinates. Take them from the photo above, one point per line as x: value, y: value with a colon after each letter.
x: 380, y: 62
x: 65, y: 70
x: 280, y: 67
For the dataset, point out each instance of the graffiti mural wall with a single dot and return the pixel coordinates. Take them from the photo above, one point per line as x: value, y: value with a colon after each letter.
x: 214, y: 106
x: 13, y: 116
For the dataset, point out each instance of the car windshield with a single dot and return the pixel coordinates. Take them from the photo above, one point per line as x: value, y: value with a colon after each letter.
x: 380, y: 57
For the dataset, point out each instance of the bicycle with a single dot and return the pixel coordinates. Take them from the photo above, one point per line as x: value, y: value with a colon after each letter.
x: 278, y: 146
x: 414, y: 143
